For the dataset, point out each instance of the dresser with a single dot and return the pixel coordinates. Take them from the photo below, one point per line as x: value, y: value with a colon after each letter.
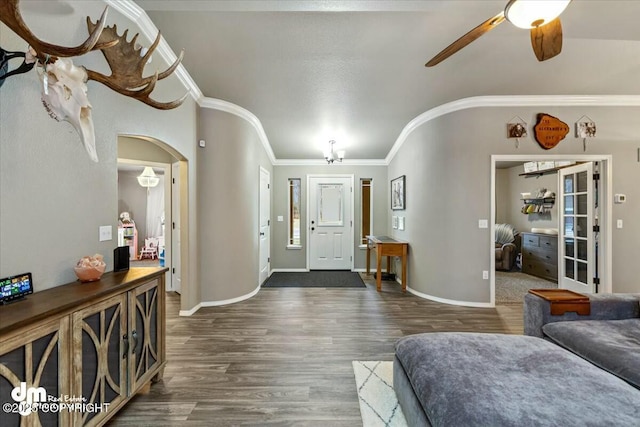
x: 540, y: 255
x: 82, y: 350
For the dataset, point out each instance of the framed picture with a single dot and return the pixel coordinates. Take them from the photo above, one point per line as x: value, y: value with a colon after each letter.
x: 516, y: 130
x: 585, y: 129
x: 397, y: 193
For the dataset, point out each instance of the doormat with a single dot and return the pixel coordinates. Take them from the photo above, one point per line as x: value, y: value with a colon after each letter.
x: 315, y: 279
x: 378, y: 403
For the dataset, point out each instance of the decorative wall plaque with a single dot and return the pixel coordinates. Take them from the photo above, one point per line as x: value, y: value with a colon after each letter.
x: 549, y: 131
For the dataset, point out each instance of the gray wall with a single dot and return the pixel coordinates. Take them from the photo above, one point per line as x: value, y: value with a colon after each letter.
x: 53, y: 196
x: 283, y: 258
x: 447, y: 162
x: 139, y: 149
x: 509, y: 185
x: 228, y: 195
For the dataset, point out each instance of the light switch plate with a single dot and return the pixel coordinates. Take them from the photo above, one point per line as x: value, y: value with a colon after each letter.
x: 105, y: 233
x: 394, y: 222
x: 280, y: 218
x: 400, y: 223
x: 619, y: 223
x: 483, y: 223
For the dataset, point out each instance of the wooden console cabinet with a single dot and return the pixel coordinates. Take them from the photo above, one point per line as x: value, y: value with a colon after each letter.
x: 540, y: 255
x: 95, y: 344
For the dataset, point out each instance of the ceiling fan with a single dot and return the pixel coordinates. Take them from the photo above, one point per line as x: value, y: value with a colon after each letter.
x: 539, y: 16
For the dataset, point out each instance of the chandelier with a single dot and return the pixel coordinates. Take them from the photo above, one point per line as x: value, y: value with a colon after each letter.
x: 331, y: 156
x: 148, y: 178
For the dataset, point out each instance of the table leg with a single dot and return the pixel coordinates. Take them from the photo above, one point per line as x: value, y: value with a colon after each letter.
x: 404, y: 268
x: 379, y: 268
x: 368, y: 258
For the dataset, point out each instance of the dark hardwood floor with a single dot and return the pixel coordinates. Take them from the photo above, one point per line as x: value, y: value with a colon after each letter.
x: 284, y: 356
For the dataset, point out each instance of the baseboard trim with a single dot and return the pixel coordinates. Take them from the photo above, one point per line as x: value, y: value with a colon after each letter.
x: 450, y: 301
x: 187, y: 313
x: 288, y: 270
x: 364, y: 270
x: 218, y: 303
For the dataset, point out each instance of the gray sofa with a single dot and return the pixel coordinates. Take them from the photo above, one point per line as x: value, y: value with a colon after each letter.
x: 567, y: 370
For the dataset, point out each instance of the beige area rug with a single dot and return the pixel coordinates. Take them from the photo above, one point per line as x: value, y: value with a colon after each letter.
x: 511, y: 287
x: 378, y: 403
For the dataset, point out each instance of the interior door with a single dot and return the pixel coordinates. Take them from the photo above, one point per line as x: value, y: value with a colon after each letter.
x: 578, y: 215
x: 265, y: 215
x: 175, y: 227
x: 330, y: 223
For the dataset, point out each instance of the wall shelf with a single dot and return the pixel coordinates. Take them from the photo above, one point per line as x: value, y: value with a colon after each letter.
x: 537, y: 205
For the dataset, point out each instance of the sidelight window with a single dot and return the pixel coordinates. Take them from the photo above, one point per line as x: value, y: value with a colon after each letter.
x: 294, y: 212
x: 366, y: 209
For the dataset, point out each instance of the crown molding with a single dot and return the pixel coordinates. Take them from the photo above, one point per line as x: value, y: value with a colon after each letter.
x: 229, y: 107
x: 147, y: 28
x: 512, y: 101
x: 323, y: 162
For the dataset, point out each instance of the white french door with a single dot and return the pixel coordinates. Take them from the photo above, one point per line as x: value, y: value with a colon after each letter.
x: 265, y: 222
x: 330, y: 224
x: 578, y: 212
x: 176, y: 244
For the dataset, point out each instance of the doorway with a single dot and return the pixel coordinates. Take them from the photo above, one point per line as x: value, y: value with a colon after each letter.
x: 599, y: 259
x: 330, y: 204
x: 265, y: 223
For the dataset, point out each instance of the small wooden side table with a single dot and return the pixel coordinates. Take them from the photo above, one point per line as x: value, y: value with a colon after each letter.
x: 386, y: 246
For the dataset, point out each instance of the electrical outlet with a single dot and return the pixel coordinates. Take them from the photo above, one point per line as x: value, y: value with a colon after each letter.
x: 619, y: 223
x: 105, y: 233
x: 485, y: 275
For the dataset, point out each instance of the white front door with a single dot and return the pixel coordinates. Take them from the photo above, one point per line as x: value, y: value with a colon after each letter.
x: 330, y: 222
x: 578, y: 215
x: 265, y: 214
x: 175, y: 227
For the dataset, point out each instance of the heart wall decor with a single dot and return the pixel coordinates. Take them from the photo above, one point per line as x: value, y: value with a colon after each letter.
x: 549, y: 130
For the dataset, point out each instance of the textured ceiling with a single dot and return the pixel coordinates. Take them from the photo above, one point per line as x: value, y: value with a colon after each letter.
x: 354, y: 70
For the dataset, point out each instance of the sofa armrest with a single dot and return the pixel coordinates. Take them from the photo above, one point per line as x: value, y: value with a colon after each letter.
x: 537, y: 311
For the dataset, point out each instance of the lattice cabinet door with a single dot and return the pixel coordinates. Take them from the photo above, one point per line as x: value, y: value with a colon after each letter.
x: 100, y: 344
x: 37, y: 357
x: 147, y: 353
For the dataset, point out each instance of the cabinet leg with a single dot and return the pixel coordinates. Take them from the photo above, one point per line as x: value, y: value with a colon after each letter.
x: 158, y: 376
x: 145, y: 389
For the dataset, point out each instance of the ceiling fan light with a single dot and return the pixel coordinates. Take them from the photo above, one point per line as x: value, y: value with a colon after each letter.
x: 534, y: 13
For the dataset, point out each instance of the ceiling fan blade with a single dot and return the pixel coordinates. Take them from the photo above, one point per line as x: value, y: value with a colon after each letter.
x: 481, y: 29
x: 547, y: 40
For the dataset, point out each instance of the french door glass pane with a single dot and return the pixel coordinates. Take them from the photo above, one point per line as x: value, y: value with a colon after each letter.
x: 582, y: 250
x: 582, y: 272
x: 569, y: 247
x: 568, y: 268
x: 568, y: 184
x: 581, y: 204
x: 582, y: 182
x: 581, y: 226
x: 568, y: 226
x: 568, y: 204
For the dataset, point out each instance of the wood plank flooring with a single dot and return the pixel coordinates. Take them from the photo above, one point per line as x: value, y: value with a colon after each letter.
x: 284, y: 356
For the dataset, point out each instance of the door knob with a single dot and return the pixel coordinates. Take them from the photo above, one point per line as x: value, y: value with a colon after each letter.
x: 313, y: 228
x: 313, y: 222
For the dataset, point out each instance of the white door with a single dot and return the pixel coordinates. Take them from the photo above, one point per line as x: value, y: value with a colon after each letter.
x: 175, y: 227
x: 330, y: 223
x: 577, y: 240
x: 265, y: 214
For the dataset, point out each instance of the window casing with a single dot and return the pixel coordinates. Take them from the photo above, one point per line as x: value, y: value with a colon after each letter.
x: 293, y: 238
x: 366, y: 209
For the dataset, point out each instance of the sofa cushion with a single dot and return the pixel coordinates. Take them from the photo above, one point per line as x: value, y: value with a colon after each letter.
x: 469, y: 379
x: 613, y: 345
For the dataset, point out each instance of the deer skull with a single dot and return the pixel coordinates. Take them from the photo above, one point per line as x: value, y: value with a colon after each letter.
x: 65, y: 98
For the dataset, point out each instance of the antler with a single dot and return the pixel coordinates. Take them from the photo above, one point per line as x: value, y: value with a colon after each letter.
x: 127, y: 64
x: 10, y: 16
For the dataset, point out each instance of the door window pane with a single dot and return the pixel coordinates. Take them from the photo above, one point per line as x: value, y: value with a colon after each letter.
x: 582, y: 272
x: 568, y: 184
x: 582, y: 250
x: 330, y: 205
x: 582, y: 182
x: 581, y: 226
x: 568, y: 226
x: 568, y: 268
x: 581, y: 204
x: 568, y: 204
x: 569, y: 247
